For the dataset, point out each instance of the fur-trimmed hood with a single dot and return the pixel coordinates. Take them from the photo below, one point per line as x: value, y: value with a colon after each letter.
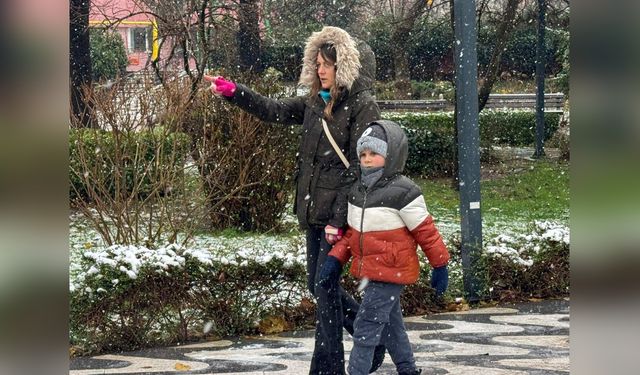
x: 347, y: 55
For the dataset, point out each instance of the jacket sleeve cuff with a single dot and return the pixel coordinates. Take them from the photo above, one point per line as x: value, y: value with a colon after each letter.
x: 338, y: 223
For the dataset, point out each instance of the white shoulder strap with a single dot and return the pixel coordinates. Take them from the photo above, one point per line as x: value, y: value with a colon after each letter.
x: 333, y: 143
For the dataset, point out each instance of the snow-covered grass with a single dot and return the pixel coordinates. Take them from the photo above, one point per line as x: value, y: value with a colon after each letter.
x: 523, y: 249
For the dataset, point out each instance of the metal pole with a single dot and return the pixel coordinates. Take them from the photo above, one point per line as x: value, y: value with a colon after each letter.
x: 541, y: 61
x: 468, y: 143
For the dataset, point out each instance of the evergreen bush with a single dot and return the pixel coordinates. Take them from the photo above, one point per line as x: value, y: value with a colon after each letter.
x: 102, y: 161
x: 431, y: 142
x: 128, y: 298
x: 514, y: 128
x: 431, y: 53
x: 285, y: 59
x: 520, y: 54
x: 108, y: 55
x: 535, y: 265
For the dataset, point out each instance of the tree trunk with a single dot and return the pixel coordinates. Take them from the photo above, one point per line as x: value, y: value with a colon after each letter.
x: 249, y: 36
x: 400, y: 40
x: 490, y: 73
x: 80, y: 64
x: 403, y: 82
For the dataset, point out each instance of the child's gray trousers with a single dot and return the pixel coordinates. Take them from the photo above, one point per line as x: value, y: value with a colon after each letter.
x: 379, y: 319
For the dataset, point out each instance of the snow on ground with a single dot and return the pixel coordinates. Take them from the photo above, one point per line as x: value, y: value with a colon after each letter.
x: 234, y: 250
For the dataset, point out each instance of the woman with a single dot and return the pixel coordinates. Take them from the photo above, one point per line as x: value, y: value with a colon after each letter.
x: 339, y: 72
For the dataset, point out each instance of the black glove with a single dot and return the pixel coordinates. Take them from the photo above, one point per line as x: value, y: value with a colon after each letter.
x: 330, y: 273
x: 440, y: 280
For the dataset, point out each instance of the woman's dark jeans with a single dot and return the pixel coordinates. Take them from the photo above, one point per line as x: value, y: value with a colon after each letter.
x: 335, y: 310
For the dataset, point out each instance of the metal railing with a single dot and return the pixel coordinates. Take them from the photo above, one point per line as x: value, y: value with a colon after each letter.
x: 553, y: 102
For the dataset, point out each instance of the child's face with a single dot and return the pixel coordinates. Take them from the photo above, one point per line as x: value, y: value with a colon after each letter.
x: 370, y: 159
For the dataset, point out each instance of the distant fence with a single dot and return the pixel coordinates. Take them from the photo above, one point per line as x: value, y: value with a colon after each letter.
x: 415, y: 105
x: 552, y: 103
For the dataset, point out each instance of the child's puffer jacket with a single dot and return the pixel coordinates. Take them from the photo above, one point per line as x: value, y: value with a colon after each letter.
x: 388, y: 221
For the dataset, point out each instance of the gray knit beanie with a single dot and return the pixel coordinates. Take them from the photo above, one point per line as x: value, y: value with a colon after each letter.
x: 374, y: 139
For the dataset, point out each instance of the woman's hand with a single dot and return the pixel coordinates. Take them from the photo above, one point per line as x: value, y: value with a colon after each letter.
x: 332, y: 234
x: 220, y: 86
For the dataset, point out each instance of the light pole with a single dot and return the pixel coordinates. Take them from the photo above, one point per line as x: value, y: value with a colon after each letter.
x: 466, y: 60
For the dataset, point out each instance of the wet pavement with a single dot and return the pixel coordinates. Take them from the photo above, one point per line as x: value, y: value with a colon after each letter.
x: 527, y: 338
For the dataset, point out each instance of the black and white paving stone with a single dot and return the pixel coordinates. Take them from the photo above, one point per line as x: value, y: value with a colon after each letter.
x: 530, y: 338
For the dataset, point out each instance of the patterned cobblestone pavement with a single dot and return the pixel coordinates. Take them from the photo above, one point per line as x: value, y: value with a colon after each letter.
x: 531, y: 338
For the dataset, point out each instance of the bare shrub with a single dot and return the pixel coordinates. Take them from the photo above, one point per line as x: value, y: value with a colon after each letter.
x: 246, y: 164
x: 129, y: 176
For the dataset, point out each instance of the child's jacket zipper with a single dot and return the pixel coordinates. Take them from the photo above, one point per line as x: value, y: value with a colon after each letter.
x: 364, y: 204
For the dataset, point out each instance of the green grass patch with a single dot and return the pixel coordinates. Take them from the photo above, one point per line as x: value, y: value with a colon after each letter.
x: 533, y: 190
x: 523, y: 203
x: 537, y: 192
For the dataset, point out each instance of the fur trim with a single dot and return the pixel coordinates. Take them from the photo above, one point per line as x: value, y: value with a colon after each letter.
x: 348, y: 64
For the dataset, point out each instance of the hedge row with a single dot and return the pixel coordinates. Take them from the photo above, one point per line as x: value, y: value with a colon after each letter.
x: 432, y: 136
x: 121, y: 163
x: 127, y: 297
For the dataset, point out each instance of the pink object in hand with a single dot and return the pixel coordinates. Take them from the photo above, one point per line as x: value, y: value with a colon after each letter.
x: 223, y: 87
x: 332, y: 234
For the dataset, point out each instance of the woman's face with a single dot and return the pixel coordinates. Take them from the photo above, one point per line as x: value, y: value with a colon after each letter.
x: 326, y: 71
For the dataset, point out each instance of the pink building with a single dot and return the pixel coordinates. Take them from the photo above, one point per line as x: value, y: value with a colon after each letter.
x: 137, y: 29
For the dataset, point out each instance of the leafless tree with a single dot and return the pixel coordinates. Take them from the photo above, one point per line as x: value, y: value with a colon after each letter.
x: 403, y: 15
x: 130, y: 182
x: 488, y: 74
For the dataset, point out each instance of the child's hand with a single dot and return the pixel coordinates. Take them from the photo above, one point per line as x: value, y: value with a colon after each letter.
x: 440, y: 280
x: 332, y: 234
x: 221, y: 86
x: 330, y: 273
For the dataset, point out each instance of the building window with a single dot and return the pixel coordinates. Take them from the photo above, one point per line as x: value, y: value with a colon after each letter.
x: 140, y: 39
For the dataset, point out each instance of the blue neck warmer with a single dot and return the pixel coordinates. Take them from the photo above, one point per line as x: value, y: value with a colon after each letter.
x: 325, y: 95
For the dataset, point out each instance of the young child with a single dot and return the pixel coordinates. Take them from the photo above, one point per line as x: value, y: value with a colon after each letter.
x: 387, y: 219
